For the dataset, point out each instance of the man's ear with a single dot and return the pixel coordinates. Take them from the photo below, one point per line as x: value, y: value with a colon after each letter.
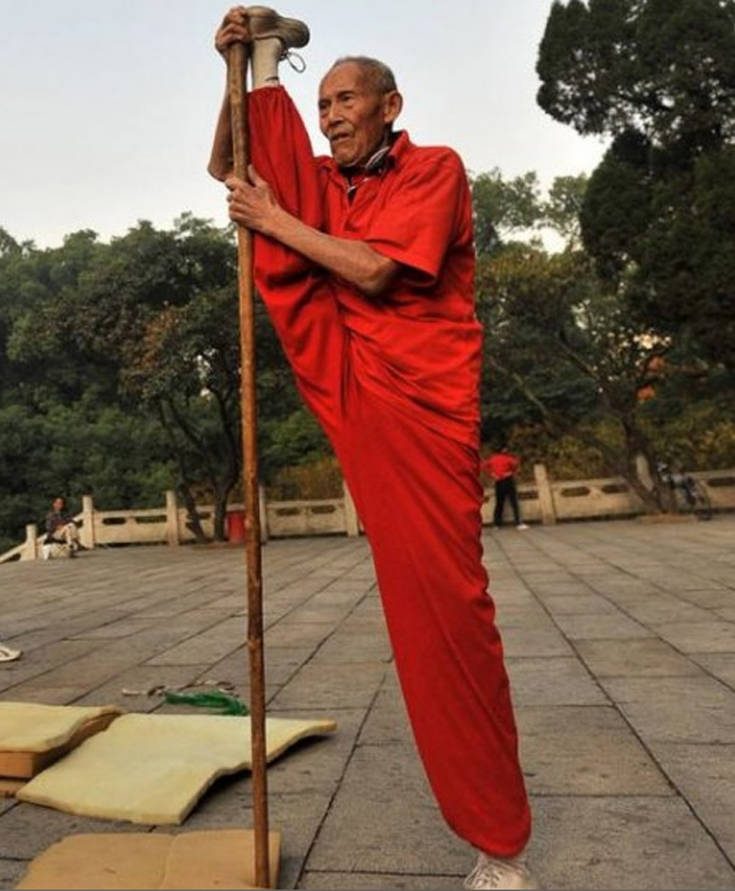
x: 392, y: 105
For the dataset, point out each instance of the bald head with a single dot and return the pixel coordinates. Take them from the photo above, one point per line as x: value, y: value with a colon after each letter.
x: 376, y: 75
x: 358, y: 103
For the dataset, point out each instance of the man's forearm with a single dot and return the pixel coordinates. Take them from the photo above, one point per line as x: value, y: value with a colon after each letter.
x: 354, y: 261
x: 220, y: 162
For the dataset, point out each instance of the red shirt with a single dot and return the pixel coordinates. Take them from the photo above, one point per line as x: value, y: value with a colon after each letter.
x: 501, y: 465
x: 419, y: 344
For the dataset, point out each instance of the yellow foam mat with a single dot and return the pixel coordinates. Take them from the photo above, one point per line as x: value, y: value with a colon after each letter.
x: 154, y: 768
x: 222, y: 858
x: 32, y: 727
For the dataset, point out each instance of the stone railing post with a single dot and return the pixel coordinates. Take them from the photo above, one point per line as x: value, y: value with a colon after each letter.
x: 263, y: 511
x: 87, y: 534
x: 30, y: 549
x: 172, y: 518
x: 545, y: 497
x: 352, y: 521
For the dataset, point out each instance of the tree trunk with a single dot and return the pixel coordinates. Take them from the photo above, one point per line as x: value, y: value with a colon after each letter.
x: 221, y: 489
x: 193, y: 520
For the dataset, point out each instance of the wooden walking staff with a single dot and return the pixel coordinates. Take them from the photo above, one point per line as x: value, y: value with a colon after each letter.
x: 237, y: 89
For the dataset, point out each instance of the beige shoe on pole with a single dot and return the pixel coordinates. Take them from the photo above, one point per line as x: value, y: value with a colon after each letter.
x: 500, y: 873
x: 264, y: 22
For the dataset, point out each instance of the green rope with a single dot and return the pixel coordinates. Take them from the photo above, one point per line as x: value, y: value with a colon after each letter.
x: 216, y: 699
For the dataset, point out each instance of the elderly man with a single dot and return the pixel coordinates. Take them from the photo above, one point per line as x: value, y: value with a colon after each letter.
x: 365, y: 261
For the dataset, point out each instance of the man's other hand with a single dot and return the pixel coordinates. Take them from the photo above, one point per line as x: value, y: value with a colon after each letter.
x: 234, y: 29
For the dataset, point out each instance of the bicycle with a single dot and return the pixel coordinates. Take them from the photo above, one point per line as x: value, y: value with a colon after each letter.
x: 690, y: 494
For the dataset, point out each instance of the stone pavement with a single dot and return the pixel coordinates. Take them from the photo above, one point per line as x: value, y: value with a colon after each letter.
x: 620, y: 640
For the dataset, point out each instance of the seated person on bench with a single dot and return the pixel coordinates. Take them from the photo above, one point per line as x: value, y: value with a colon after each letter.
x: 62, y: 533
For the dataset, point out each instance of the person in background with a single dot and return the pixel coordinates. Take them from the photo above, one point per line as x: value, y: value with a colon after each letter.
x: 60, y: 529
x: 502, y: 467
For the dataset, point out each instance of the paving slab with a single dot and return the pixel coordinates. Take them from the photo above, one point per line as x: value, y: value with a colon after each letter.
x: 583, y: 603
x: 28, y: 829
x: 384, y: 815
x: 700, y: 637
x: 387, y: 722
x: 721, y: 665
x: 584, y: 751
x: 712, y: 598
x: 634, y: 658
x: 705, y: 776
x: 11, y: 872
x: 658, y: 608
x: 625, y: 843
x: 339, y: 881
x: 323, y: 687
x: 617, y: 637
x: 555, y: 680
x: 676, y: 709
x: 529, y: 642
x: 601, y: 627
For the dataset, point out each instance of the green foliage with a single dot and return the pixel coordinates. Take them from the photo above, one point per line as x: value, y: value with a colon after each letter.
x: 668, y: 65
x: 291, y: 440
x: 316, y: 478
x: 565, y: 456
x: 564, y: 205
x: 659, y: 213
x: 118, y: 457
x: 119, y: 373
x: 503, y: 207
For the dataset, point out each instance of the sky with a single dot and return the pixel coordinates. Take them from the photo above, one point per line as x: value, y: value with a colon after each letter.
x: 107, y: 106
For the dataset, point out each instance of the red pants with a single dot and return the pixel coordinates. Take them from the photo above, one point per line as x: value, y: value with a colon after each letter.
x: 418, y: 496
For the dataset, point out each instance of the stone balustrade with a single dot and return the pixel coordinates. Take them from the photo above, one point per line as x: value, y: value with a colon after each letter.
x: 543, y: 501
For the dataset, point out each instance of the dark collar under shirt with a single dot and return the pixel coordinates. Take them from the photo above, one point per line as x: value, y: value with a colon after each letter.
x: 355, y: 175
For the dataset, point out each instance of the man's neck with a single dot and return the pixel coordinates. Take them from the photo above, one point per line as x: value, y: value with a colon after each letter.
x: 374, y: 159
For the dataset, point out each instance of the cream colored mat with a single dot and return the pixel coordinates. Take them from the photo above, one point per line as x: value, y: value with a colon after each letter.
x: 154, y: 768
x: 31, y: 727
x: 133, y: 860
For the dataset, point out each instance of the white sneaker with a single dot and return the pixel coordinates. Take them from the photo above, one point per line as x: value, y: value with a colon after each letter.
x: 521, y: 526
x: 500, y: 872
x: 9, y: 655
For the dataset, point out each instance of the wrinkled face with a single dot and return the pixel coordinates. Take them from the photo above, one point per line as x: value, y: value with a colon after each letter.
x: 352, y: 115
x: 58, y: 505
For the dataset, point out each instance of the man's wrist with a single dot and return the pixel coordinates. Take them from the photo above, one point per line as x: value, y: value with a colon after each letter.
x: 279, y: 224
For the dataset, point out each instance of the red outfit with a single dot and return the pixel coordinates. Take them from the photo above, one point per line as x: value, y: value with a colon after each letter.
x: 394, y: 380
x: 501, y: 465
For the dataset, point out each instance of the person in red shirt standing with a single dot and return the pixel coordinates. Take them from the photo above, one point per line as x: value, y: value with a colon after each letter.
x: 502, y: 467
x: 365, y: 261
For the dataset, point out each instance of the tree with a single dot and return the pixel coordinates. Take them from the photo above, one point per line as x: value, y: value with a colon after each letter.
x: 659, y: 215
x: 510, y: 212
x: 564, y: 204
x: 504, y: 207
x: 566, y: 357
x: 567, y: 349
x: 63, y: 430
x: 147, y: 325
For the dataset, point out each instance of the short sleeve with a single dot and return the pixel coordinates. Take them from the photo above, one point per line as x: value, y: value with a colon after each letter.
x: 421, y: 219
